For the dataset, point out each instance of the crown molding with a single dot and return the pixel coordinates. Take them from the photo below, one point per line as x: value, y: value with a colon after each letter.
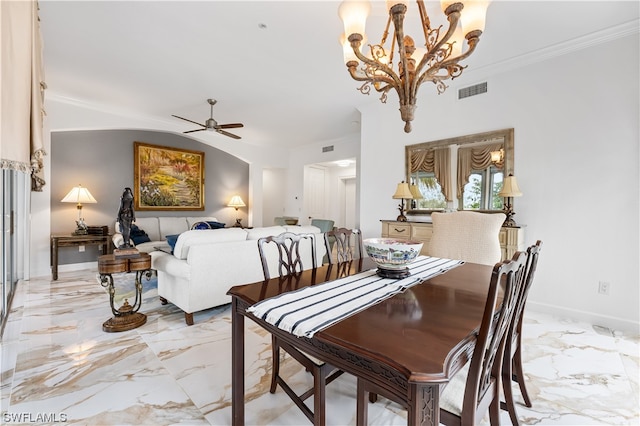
x: 559, y: 49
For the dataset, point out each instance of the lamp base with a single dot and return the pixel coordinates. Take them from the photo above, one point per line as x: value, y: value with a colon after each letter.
x: 509, y: 222
x: 401, y: 217
x: 238, y: 224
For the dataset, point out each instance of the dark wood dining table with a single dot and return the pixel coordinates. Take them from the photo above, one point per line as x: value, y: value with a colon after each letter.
x: 410, y: 344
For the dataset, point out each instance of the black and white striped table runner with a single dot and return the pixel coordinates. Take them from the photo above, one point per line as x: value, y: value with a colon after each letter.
x: 308, y: 310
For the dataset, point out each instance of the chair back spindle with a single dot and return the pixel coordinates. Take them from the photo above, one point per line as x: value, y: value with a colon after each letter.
x: 341, y: 240
x: 288, y: 246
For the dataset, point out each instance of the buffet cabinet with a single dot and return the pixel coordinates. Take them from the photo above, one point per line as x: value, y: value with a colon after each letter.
x: 511, y: 238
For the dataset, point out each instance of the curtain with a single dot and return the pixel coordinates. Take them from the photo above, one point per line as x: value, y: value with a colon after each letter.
x: 477, y: 158
x: 21, y: 90
x: 438, y: 162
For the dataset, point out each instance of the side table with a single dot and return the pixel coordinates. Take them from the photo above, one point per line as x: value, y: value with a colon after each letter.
x: 70, y: 240
x: 127, y: 316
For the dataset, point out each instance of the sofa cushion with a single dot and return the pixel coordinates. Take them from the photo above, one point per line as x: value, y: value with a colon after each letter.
x: 257, y: 233
x: 171, y: 225
x: 206, y: 236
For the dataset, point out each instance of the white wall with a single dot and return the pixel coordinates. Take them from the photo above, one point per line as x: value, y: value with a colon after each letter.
x: 274, y: 180
x: 576, y: 159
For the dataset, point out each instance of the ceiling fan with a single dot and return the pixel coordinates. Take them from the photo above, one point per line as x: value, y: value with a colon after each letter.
x: 212, y: 125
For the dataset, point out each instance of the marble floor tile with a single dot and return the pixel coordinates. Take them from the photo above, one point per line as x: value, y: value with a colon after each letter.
x: 59, y: 366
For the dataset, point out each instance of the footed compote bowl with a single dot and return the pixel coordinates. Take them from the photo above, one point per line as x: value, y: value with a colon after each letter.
x: 392, y: 255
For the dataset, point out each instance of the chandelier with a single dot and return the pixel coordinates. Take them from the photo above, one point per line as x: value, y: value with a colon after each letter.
x: 440, y: 61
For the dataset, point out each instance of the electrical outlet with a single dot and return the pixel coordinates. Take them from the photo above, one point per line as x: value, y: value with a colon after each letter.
x: 603, y: 287
x: 80, y: 249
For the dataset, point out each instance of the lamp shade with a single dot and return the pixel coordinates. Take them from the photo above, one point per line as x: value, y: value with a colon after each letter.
x: 236, y: 202
x: 510, y: 187
x: 415, y: 191
x: 403, y: 191
x: 79, y: 195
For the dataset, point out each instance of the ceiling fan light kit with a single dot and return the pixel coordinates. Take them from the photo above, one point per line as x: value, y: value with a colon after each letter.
x: 212, y: 125
x: 436, y: 61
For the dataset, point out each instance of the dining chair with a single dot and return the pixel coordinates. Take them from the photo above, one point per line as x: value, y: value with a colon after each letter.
x: 465, y: 235
x: 475, y: 389
x: 341, y: 239
x: 512, y: 364
x: 290, y: 263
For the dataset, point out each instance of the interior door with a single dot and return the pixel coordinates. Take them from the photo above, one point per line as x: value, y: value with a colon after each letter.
x: 314, y: 192
x: 350, y: 203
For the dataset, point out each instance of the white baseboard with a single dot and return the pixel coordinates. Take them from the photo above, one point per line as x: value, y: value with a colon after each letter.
x: 613, y: 323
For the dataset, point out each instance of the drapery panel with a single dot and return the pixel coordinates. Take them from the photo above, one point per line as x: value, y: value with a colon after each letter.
x: 476, y: 158
x: 438, y: 162
x: 21, y: 90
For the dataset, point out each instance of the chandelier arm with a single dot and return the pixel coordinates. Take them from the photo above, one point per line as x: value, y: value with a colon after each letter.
x: 385, y: 34
x: 473, y: 38
x: 355, y: 45
x: 424, y: 17
x: 453, y: 17
x: 376, y: 79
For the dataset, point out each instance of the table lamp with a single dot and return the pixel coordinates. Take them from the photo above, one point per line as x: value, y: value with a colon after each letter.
x: 509, y: 190
x: 79, y: 195
x: 237, y: 202
x: 403, y: 192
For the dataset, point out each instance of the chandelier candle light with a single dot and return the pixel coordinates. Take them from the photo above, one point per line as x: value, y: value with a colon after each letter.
x: 440, y: 62
x: 79, y: 195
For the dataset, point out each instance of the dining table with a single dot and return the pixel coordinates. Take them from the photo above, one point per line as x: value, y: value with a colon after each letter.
x: 410, y: 344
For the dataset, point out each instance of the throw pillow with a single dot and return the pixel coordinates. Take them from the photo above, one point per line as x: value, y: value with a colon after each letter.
x: 171, y: 240
x: 200, y: 225
x: 216, y: 225
x: 138, y: 236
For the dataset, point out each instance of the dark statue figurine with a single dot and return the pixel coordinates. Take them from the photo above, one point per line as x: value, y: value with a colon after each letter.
x: 126, y: 216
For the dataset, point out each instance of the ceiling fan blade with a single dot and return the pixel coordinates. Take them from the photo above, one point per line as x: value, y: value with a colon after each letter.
x: 191, y: 131
x: 230, y: 126
x: 190, y: 121
x: 231, y: 135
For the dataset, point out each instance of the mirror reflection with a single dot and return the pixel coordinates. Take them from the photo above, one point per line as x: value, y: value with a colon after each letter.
x: 462, y: 173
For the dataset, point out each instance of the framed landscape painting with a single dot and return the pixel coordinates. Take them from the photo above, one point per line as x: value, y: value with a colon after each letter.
x: 167, y: 178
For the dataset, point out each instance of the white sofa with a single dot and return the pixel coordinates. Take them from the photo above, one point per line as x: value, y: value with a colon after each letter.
x: 158, y: 228
x: 205, y: 264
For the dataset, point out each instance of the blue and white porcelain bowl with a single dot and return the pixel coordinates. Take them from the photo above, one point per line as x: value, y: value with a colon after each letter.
x: 391, y: 253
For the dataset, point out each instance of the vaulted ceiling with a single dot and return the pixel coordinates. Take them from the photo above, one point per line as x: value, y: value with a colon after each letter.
x: 275, y: 66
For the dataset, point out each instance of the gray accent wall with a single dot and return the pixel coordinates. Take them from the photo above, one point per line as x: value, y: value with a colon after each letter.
x: 102, y: 161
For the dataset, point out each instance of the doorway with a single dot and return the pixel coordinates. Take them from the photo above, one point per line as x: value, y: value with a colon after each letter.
x: 330, y: 192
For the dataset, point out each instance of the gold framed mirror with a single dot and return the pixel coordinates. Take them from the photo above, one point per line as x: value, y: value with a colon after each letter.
x: 460, y: 173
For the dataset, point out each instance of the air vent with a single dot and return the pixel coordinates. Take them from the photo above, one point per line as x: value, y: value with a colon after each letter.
x: 472, y: 90
x: 328, y: 148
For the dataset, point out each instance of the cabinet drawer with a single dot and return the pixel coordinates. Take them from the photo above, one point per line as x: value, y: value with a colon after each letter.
x: 399, y: 231
x: 502, y: 236
x: 421, y: 233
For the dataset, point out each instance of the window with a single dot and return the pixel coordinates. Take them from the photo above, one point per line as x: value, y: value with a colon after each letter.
x: 481, y: 192
x: 431, y: 191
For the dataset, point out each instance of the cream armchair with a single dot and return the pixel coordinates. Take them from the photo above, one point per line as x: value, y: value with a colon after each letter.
x: 469, y: 236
